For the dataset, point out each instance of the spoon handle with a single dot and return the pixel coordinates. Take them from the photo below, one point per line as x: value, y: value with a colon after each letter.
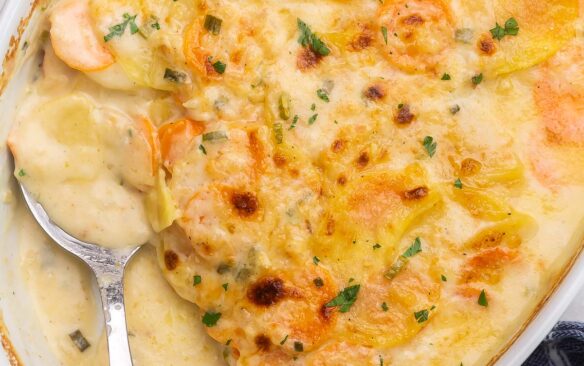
x: 111, y: 287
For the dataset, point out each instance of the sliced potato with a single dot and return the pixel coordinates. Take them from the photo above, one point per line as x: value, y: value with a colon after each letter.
x: 544, y: 27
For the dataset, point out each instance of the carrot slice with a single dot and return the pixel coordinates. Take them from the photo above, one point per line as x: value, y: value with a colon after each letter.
x: 175, y: 139
x: 74, y: 40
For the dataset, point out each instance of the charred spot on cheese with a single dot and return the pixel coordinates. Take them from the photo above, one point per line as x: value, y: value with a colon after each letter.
x: 486, y: 45
x: 363, y: 40
x: 245, y: 203
x: 170, y: 260
x: 338, y: 145
x: 374, y: 92
x: 263, y: 342
x: 267, y: 291
x: 404, y: 115
x: 307, y: 59
x: 363, y: 159
x: 416, y: 193
x: 342, y: 180
x: 414, y: 19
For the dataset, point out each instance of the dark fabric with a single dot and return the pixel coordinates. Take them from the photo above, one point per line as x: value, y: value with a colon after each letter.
x: 563, y: 346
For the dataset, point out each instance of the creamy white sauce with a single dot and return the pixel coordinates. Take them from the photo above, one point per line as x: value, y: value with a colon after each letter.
x: 164, y: 329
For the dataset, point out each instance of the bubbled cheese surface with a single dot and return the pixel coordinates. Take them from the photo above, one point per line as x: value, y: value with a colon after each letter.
x: 330, y: 182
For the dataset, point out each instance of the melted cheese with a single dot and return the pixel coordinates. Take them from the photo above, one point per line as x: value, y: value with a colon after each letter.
x: 409, y: 153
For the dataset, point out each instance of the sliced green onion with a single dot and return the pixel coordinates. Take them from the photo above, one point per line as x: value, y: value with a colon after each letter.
x: 213, y: 24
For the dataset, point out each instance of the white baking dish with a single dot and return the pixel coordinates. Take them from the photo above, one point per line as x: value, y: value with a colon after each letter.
x: 16, y: 313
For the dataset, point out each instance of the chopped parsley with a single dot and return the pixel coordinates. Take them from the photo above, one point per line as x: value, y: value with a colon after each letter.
x: 219, y: 67
x: 21, y: 173
x: 458, y: 183
x: 403, y: 259
x: 79, y: 340
x: 202, y: 148
x: 345, y: 299
x: 197, y: 280
x: 312, y: 119
x: 455, y: 109
x: 430, y: 145
x: 210, y: 319
x: 294, y: 122
x: 477, y: 79
x: 323, y: 94
x: 119, y: 29
x: 284, y: 340
x: 414, y: 249
x: 443, y: 278
x: 309, y: 39
x: 225, y: 286
x: 214, y: 136
x: 228, y: 342
x: 384, y: 33
x: 284, y: 106
x: 313, y: 107
x: 213, y: 24
x: 380, y: 360
x: 315, y: 260
x: 483, y: 299
x: 278, y: 133
x: 376, y: 246
x: 175, y: 76
x: 445, y: 76
x: 511, y: 29
x: 298, y: 346
x: 384, y: 306
x: 422, y: 315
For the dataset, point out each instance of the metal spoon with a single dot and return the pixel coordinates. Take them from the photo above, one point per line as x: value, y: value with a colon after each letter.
x: 108, y: 266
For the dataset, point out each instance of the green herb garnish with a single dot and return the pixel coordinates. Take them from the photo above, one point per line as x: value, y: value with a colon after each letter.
x: 298, y: 346
x: 445, y: 77
x: 511, y: 29
x: 118, y: 29
x: 345, y: 299
x: 430, y: 145
x: 309, y: 39
x: 219, y: 67
x: 458, y: 184
x: 384, y: 33
x: 214, y: 136
x: 384, y: 306
x: 294, y: 122
x: 312, y: 119
x: 414, y: 249
x: 315, y: 260
x: 210, y: 319
x: 483, y: 299
x: 175, y: 76
x: 477, y: 79
x: 213, y: 24
x: 322, y: 94
x: 197, y: 280
x: 421, y: 316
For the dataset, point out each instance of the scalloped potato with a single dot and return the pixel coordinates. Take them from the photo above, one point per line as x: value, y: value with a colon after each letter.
x: 330, y: 182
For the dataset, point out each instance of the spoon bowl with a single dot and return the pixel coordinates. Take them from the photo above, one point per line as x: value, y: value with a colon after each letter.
x: 108, y: 266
